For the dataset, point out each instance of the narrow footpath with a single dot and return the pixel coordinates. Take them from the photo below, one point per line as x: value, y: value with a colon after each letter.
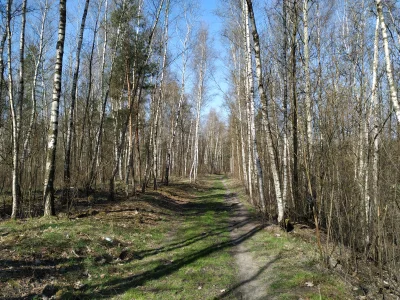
x: 250, y: 285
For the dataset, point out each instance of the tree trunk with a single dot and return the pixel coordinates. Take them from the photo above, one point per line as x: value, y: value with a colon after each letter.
x: 250, y: 99
x: 15, y: 121
x: 264, y: 104
x: 285, y: 163
x: 202, y: 69
x: 160, y: 99
x: 16, y: 108
x: 139, y: 82
x: 26, y: 149
x: 89, y: 91
x: 371, y: 209
x: 48, y: 194
x: 389, y: 73
x: 70, y: 128
x: 295, y: 177
x: 307, y: 88
x: 178, y: 111
x: 104, y: 99
x: 2, y: 103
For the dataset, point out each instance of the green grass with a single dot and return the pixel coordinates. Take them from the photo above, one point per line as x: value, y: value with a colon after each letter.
x: 296, y: 267
x: 203, y: 265
x: 172, y: 244
x: 169, y: 244
x: 295, y: 264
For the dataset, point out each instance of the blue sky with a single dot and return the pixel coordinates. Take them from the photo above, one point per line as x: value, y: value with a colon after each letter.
x: 208, y: 16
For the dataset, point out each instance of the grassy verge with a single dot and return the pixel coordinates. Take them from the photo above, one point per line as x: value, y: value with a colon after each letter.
x: 172, y: 244
x: 195, y: 263
x: 295, y: 272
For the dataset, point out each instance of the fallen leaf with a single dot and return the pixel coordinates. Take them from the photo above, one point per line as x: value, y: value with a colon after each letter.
x: 78, y: 285
x: 309, y: 284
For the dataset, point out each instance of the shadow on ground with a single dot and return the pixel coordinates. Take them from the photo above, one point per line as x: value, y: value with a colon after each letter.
x: 32, y: 271
x: 120, y: 285
x: 197, y: 206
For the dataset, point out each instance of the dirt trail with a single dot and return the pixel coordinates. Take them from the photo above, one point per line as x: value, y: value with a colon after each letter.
x: 242, y: 223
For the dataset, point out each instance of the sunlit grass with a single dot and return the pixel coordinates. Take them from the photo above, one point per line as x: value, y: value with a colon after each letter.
x: 164, y: 245
x: 295, y: 272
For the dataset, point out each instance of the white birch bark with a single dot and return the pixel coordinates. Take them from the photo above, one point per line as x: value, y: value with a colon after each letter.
x: 16, y: 106
x: 307, y: 88
x: 129, y: 151
x: 132, y: 91
x: 249, y: 149
x: 295, y: 142
x: 263, y: 96
x: 376, y: 119
x: 249, y: 162
x: 48, y: 193
x: 14, y: 120
x: 238, y: 70
x: 242, y: 142
x: 193, y: 171
x: 389, y: 73
x: 188, y: 147
x: 250, y: 99
x: 202, y: 69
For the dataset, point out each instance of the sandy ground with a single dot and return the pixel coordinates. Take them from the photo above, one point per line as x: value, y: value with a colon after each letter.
x: 243, y: 226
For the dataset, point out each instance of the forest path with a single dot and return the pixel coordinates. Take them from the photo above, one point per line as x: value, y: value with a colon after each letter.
x: 183, y: 241
x: 250, y: 285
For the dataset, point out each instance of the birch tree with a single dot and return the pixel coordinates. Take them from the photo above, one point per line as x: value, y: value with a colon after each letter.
x: 294, y: 108
x: 307, y: 88
x: 185, y: 45
x: 105, y: 91
x: 16, y: 108
x: 38, y: 63
x: 70, y: 128
x: 250, y: 100
x: 376, y: 118
x: 285, y: 158
x: 48, y: 193
x: 160, y: 97
x: 201, y: 65
x: 389, y: 73
x: 261, y: 91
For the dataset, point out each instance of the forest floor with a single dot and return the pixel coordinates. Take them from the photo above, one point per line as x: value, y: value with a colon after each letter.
x: 183, y: 241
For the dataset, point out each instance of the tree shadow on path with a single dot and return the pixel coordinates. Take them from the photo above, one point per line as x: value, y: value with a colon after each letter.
x: 120, y: 285
x: 235, y: 290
